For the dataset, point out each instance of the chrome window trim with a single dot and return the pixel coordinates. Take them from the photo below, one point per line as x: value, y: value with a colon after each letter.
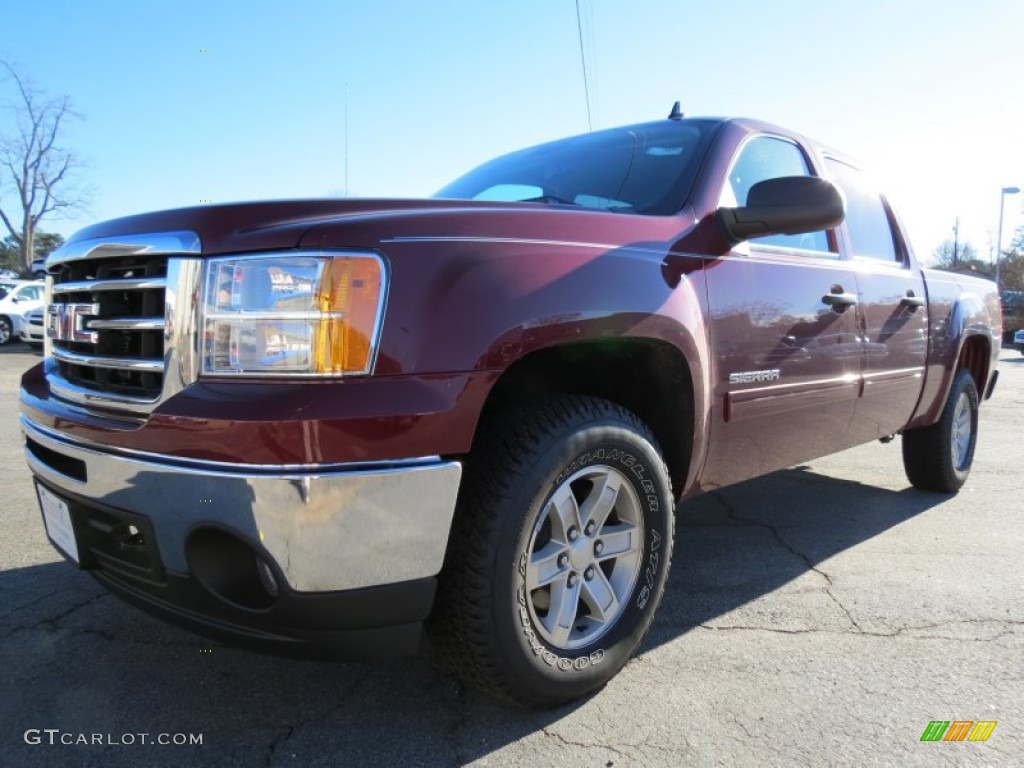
x: 757, y: 249
x: 812, y: 171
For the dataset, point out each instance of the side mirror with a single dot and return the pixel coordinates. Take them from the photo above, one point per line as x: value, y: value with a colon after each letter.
x: 788, y: 205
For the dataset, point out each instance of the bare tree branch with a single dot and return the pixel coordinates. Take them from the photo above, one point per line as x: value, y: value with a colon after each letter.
x: 10, y: 227
x: 34, y: 165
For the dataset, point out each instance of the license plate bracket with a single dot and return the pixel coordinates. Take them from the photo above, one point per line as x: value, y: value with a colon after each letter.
x: 57, y: 519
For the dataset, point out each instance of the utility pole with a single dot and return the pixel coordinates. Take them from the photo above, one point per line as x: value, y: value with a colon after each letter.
x: 956, y: 241
x: 999, y: 232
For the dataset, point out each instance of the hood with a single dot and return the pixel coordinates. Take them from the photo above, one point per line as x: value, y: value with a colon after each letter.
x: 371, y: 223
x: 235, y: 227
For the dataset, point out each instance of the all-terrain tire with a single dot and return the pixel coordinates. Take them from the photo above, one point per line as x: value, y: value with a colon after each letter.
x: 939, y: 457
x: 559, y: 552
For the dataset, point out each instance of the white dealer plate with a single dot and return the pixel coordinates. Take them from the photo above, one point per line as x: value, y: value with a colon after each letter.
x: 57, y: 519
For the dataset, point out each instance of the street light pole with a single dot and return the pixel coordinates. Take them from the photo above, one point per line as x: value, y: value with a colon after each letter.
x: 999, y: 232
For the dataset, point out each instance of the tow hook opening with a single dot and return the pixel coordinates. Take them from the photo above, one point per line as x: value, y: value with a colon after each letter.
x: 231, y: 569
x: 132, y: 537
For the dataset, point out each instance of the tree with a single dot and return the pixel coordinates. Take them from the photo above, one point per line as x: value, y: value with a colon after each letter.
x: 967, y: 260
x: 1011, y: 267
x: 9, y: 254
x: 40, y: 172
x: 1011, y: 271
x: 45, y: 244
x: 945, y: 258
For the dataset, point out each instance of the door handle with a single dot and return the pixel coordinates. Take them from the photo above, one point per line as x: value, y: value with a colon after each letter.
x: 838, y: 298
x: 912, y: 301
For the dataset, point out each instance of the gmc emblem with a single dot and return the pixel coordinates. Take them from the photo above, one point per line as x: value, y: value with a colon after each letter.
x: 66, y: 322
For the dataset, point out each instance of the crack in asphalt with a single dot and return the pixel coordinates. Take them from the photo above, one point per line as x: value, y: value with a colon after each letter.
x: 811, y: 566
x: 736, y: 517
x: 618, y: 749
x: 50, y: 622
x: 277, y: 742
x: 291, y: 728
x: 28, y: 604
x: 875, y: 633
x: 583, y: 745
x: 108, y: 636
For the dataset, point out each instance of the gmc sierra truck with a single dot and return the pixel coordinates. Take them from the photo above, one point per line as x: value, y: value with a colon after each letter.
x: 324, y: 426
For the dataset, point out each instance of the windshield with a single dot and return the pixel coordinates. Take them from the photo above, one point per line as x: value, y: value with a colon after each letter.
x: 645, y: 169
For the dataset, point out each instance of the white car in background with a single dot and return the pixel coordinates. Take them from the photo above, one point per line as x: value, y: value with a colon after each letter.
x: 18, y: 298
x: 32, y: 329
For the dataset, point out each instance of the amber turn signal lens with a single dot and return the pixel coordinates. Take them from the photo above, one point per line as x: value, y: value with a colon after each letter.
x: 349, y: 298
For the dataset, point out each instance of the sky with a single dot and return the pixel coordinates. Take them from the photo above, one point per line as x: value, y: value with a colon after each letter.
x: 183, y: 102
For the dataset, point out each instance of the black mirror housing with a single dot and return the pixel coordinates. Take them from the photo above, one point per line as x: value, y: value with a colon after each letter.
x: 788, y: 205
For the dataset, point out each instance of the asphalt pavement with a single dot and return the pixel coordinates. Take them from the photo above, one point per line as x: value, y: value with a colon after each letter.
x: 823, y: 615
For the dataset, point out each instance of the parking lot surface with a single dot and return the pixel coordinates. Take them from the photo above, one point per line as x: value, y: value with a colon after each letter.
x: 823, y: 615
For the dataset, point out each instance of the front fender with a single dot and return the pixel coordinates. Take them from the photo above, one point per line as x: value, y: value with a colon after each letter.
x: 482, y: 305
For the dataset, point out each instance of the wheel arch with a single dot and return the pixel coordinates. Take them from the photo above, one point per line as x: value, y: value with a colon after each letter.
x: 649, y: 377
x: 965, y: 332
x: 976, y: 357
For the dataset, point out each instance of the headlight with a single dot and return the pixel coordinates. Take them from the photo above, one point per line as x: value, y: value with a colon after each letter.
x: 305, y: 313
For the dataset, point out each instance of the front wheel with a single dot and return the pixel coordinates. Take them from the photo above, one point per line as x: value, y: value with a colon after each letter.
x: 939, y: 457
x: 559, y: 552
x: 5, y: 330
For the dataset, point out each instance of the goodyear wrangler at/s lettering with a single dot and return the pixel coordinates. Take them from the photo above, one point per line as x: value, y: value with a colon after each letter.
x: 560, y: 551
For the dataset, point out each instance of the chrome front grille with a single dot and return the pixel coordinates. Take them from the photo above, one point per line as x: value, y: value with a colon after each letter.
x: 108, y: 319
x: 120, y: 336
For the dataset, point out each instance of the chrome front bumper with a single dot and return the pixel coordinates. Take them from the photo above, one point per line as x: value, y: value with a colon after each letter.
x: 327, y: 528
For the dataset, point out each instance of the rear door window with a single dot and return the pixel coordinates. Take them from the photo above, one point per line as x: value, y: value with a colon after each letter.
x: 867, y: 218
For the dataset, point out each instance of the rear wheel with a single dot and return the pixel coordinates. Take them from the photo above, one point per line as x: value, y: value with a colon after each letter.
x: 5, y: 330
x: 559, y: 552
x: 939, y: 457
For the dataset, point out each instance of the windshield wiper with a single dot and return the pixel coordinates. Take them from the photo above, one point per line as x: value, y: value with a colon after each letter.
x: 550, y: 199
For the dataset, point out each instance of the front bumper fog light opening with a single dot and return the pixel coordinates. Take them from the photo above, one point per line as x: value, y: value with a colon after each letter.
x: 232, y: 569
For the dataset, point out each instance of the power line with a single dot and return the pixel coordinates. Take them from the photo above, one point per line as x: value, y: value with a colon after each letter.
x: 583, y: 62
x: 346, y: 139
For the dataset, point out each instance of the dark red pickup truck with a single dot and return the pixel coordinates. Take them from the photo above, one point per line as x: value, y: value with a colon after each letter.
x: 318, y: 426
